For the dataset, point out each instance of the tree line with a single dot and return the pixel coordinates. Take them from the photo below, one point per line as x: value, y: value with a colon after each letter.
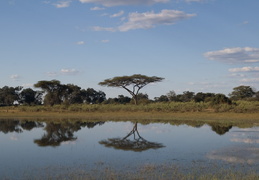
x: 53, y: 92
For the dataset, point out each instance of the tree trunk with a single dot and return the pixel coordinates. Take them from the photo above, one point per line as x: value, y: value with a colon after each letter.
x: 135, y: 98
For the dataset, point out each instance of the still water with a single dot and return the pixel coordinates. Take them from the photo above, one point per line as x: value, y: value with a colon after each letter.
x: 29, y: 148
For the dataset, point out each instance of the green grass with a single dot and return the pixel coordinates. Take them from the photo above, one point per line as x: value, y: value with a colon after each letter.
x: 236, y: 107
x: 240, y: 113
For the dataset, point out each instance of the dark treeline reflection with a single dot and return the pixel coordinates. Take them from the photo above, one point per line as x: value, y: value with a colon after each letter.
x: 8, y: 126
x: 220, y: 129
x: 133, y: 141
x: 56, y: 133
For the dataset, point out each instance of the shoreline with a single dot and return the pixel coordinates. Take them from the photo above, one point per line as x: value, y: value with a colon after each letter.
x: 205, y: 117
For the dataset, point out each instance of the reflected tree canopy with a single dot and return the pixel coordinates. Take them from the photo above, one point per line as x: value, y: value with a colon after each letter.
x: 220, y: 129
x: 133, y: 142
x: 9, y: 126
x: 56, y: 133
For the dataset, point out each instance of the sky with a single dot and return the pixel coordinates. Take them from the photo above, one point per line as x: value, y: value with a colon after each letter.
x: 196, y: 45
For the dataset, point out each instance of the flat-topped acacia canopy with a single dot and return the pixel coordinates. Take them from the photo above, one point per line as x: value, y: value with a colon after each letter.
x: 137, y: 81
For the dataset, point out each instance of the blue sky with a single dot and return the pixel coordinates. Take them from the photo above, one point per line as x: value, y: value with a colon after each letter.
x: 196, y: 45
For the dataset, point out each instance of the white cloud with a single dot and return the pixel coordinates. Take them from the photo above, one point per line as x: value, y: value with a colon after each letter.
x: 80, y: 43
x: 237, y: 75
x: 28, y: 85
x: 52, y: 74
x: 96, y: 8
x: 98, y: 28
x: 245, y: 140
x: 109, y: 3
x: 117, y: 14
x: 245, y: 22
x: 69, y: 71
x: 14, y: 138
x: 236, y: 155
x: 235, y: 55
x: 193, y: 1
x: 62, y: 4
x: 244, y: 69
x: 15, y: 77
x: 105, y: 41
x: 148, y: 20
x: 46, y: 2
x: 250, y: 80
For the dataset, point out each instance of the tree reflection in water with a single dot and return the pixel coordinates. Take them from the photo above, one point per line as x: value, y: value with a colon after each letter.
x: 220, y: 129
x: 136, y: 144
x: 56, y: 133
x: 9, y: 126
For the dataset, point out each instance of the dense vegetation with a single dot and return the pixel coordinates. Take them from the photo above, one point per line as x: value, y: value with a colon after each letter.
x: 69, y: 97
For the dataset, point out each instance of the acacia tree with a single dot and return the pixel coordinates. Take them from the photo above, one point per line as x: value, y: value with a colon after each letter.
x: 136, y: 81
x: 242, y: 92
x: 54, y: 91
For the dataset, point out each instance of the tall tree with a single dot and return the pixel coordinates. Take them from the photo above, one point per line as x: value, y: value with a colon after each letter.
x: 171, y: 95
x: 93, y: 97
x: 8, y: 95
x: 187, y: 96
x: 242, y: 92
x: 73, y: 94
x: 54, y: 91
x: 29, y: 96
x: 136, y: 82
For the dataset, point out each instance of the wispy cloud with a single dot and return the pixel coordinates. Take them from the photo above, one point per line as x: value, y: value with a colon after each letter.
x: 244, y: 69
x: 14, y: 138
x: 117, y: 14
x: 27, y: 85
x: 245, y: 22
x: 245, y: 140
x: 148, y: 20
x: 63, y: 72
x: 110, y: 3
x: 237, y: 75
x: 98, y: 28
x: 235, y: 55
x: 52, y: 74
x: 250, y: 80
x: 80, y: 42
x: 105, y: 41
x: 62, y: 4
x: 235, y: 155
x: 15, y: 77
x: 69, y: 71
x: 194, y: 1
x: 96, y: 8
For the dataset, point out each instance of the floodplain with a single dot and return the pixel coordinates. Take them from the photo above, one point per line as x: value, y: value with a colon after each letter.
x: 116, y: 142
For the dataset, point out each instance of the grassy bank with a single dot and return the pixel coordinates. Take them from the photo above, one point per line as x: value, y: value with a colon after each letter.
x: 177, y: 118
x: 236, y: 107
x: 241, y: 113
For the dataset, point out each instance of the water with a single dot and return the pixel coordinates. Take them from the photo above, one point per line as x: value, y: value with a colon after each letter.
x: 30, y: 148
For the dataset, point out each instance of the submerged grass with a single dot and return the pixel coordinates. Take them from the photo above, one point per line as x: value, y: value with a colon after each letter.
x: 148, y: 171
